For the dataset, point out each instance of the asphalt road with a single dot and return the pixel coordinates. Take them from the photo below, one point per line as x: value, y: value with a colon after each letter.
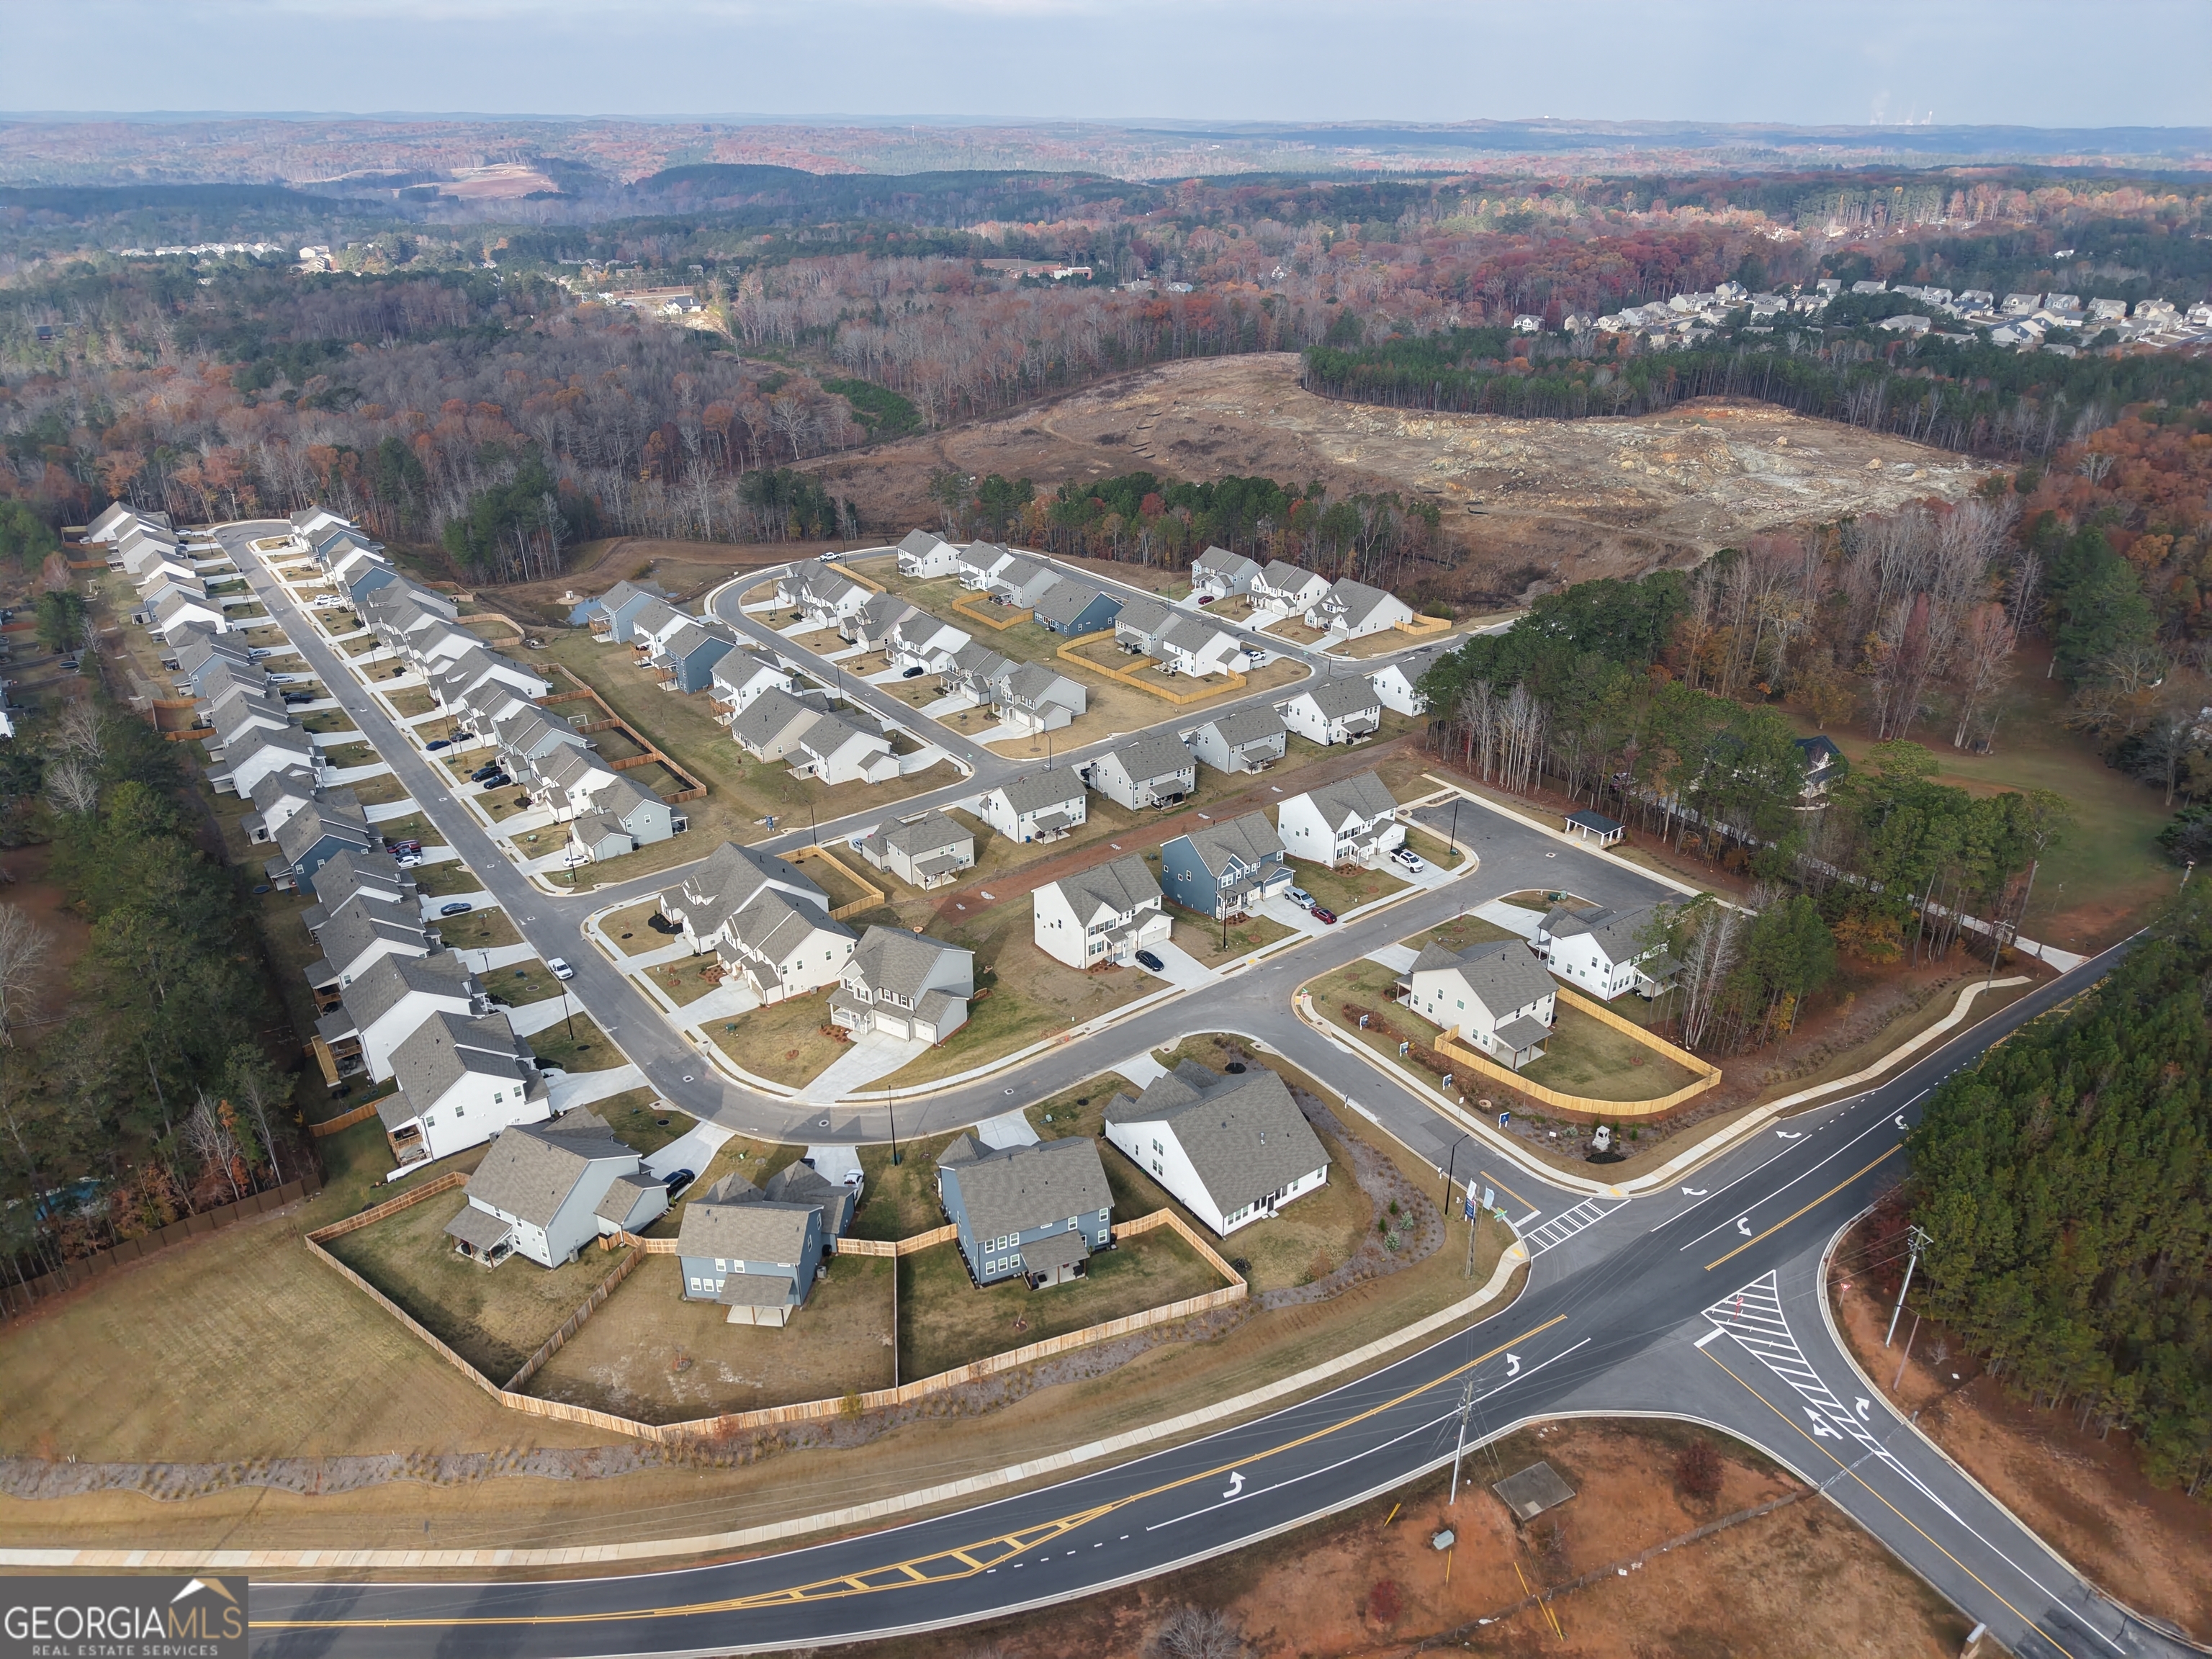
x: 1700, y: 1303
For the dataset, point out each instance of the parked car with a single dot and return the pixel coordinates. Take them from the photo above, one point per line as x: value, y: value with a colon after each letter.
x: 1322, y: 914
x: 1206, y: 598
x: 406, y: 844
x: 1407, y: 859
x: 1303, y: 899
x: 438, y: 742
x: 831, y: 557
x: 1146, y: 959
x: 913, y: 673
x: 409, y: 860
x: 560, y: 968
x: 489, y: 770
x: 677, y: 1179
x: 496, y: 780
x: 458, y: 908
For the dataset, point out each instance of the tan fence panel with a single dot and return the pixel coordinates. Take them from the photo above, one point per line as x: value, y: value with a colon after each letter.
x: 576, y: 1322
x: 330, y: 1126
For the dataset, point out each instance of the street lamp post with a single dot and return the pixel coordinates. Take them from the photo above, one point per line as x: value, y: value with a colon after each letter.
x: 1451, y: 1170
x: 890, y: 1109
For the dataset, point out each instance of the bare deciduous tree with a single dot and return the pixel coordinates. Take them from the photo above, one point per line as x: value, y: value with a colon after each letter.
x: 1198, y: 1633
x: 24, y: 948
x: 72, y: 786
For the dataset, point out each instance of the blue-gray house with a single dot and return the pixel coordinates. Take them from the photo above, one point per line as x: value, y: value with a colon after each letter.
x: 1035, y: 1213
x: 756, y: 1256
x: 373, y: 577
x: 687, y: 661
x: 611, y: 613
x: 1224, y: 870
x: 1077, y: 609
x: 315, y: 834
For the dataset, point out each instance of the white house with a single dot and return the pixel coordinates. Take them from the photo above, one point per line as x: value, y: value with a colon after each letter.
x: 461, y: 1081
x: 1346, y: 710
x: 723, y: 884
x: 918, y: 640
x: 178, y: 611
x: 923, y: 554
x: 388, y: 1004
x: 1034, y: 699
x: 1398, y: 682
x: 769, y: 725
x: 1105, y: 913
x: 1603, y: 950
x: 1218, y: 573
x: 927, y: 850
x: 1493, y: 996
x: 741, y: 675
x: 1285, y: 589
x: 784, y: 946
x: 1352, y: 610
x: 980, y: 563
x: 1152, y: 769
x: 904, y: 984
x: 1353, y: 821
x: 1232, y: 1150
x: 1244, y: 740
x: 545, y: 1191
x: 1188, y: 644
x: 1141, y: 622
x: 822, y: 596
x: 1036, y: 807
x: 844, y: 745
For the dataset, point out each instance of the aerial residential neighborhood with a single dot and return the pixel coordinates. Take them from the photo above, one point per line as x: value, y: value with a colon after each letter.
x: 1346, y: 874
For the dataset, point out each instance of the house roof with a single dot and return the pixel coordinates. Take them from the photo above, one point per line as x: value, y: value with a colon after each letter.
x: 622, y: 1196
x: 1597, y: 820
x: 300, y: 835
x: 1244, y: 1136
x: 977, y: 660
x: 757, y: 1291
x: 891, y: 959
x: 1351, y: 694
x: 1033, y: 684
x: 1250, y: 838
x: 384, y: 984
x: 1285, y: 577
x: 1360, y: 799
x: 1240, y: 728
x: 447, y: 1046
x: 653, y: 616
x: 929, y: 833
x: 729, y: 877
x: 1145, y: 615
x: 1120, y: 886
x: 749, y: 1229
x: 622, y: 796
x: 1192, y: 634
x: 1414, y: 664
x: 1354, y: 601
x: 1035, y: 791
x: 771, y: 925
x: 351, y: 872
x: 1524, y: 1031
x: 531, y: 1167
x: 1498, y: 973
x: 353, y: 928
x: 767, y: 716
x: 1615, y: 931
x: 1014, y: 1188
x: 1055, y: 1250
x: 919, y: 542
x: 882, y: 610
x: 1818, y: 750
x: 480, y: 1229
x: 1065, y: 601
x: 1152, y: 755
x: 800, y: 1182
x: 1235, y: 566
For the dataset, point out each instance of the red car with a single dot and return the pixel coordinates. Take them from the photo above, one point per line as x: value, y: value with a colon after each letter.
x: 407, y: 846
x: 1322, y: 914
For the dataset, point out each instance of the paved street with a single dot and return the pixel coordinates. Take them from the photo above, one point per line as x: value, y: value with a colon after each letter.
x: 1700, y: 1300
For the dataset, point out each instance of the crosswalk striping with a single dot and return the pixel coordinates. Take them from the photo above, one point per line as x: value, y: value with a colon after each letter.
x: 1566, y: 1224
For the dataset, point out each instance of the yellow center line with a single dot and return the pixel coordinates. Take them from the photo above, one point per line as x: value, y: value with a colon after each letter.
x: 1505, y: 1189
x: 1887, y: 1504
x: 853, y: 1584
x: 1794, y: 1214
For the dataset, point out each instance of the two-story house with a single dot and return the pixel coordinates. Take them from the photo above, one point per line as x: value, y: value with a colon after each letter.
x: 1216, y: 574
x: 546, y: 1190
x: 820, y: 595
x: 1036, y: 1212
x: 1824, y: 766
x: 462, y: 1079
x: 925, y: 555
x: 1334, y: 711
x: 1352, y: 610
x: 1607, y: 952
x: 869, y: 626
x: 1350, y: 821
x: 1105, y: 913
x: 1244, y: 740
x: 978, y: 673
x: 768, y: 726
x: 843, y: 745
x: 918, y: 640
x: 1152, y: 769
x: 1035, y: 699
x: 389, y: 1003
x: 754, y: 1254
x: 1141, y: 622
x: 611, y: 615
x: 1284, y: 589
x: 1190, y: 645
x: 1232, y: 1150
x: 904, y: 984
x: 1494, y: 996
x: 741, y: 675
x: 927, y: 850
x: 1037, y: 806
x: 1398, y: 682
x: 687, y: 658
x: 1225, y: 869
x: 1077, y: 609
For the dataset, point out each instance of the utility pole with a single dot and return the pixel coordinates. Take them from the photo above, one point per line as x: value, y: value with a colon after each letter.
x: 890, y: 1097
x: 1919, y: 1244
x: 1465, y: 1405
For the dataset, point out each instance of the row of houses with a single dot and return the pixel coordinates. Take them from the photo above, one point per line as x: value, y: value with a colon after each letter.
x: 1344, y: 609
x: 769, y: 927
x: 169, y: 571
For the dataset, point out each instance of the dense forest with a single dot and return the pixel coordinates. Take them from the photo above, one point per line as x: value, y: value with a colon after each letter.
x: 2065, y: 1184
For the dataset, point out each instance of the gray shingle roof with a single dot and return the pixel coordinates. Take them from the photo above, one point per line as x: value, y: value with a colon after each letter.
x: 929, y: 833
x: 347, y: 873
x: 1353, y: 601
x: 446, y: 1047
x: 750, y: 1230
x: 299, y: 835
x: 1154, y: 755
x: 729, y: 880
x: 533, y: 1167
x: 1250, y: 838
x: 1500, y: 973
x: 1120, y: 886
x: 353, y: 928
x: 1244, y: 1135
x: 1351, y: 694
x: 1034, y: 790
x: 480, y: 1229
x: 891, y: 959
x: 1360, y: 797
x: 382, y: 986
x: 769, y: 715
x: 1615, y: 931
x: 1145, y: 615
x: 622, y: 1196
x: 1064, y: 601
x: 1231, y: 565
x: 1241, y: 727
x: 1018, y: 1187
x: 1033, y: 684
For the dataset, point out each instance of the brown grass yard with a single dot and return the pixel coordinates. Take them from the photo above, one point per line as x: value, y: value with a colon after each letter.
x: 654, y: 856
x: 1345, y: 889
x: 493, y: 1317
x: 649, y: 1354
x: 525, y: 982
x: 1201, y: 936
x: 446, y: 876
x: 945, y: 1320
x: 1587, y: 1057
x: 1457, y: 935
x: 323, y: 721
x: 381, y: 790
x: 626, y: 928
x: 842, y: 880
x: 641, y: 1119
x: 575, y: 1044
x: 411, y: 702
x: 1031, y: 995
x: 684, y: 981
x: 1432, y: 849
x: 782, y: 1041
x: 352, y: 754
x: 483, y: 929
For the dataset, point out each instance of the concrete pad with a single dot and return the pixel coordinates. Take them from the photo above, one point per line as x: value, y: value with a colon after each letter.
x: 922, y: 760
x: 695, y: 1149
x: 582, y: 1088
x: 732, y: 998
x: 1293, y: 915
x: 1398, y: 959
x: 498, y: 955
x: 480, y: 899
x: 1007, y: 1129
x: 542, y: 1015
x: 1142, y: 1071
x: 1511, y: 917
x: 391, y: 809
x: 944, y: 706
x: 865, y: 1059
x: 841, y: 1165
x: 1180, y: 967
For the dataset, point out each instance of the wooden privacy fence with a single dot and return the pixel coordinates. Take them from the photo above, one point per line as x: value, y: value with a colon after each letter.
x: 871, y: 895
x: 1421, y: 625
x: 17, y: 1298
x: 609, y: 721
x: 330, y: 1126
x: 1706, y: 1073
x: 1009, y: 615
x: 1208, y: 689
x: 772, y: 1416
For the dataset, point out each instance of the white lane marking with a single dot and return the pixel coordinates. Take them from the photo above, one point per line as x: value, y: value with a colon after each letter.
x: 1512, y: 1365
x: 1863, y: 1406
x: 1786, y: 1135
x: 1743, y: 1225
x: 1876, y: 1128
x: 1693, y: 1192
x: 1236, y: 1483
x: 1710, y: 1336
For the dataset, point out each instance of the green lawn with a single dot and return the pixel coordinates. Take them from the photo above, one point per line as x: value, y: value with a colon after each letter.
x: 945, y: 1320
x: 1345, y: 889
x: 1587, y: 1057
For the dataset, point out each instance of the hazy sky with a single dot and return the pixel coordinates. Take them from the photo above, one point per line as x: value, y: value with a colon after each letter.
x: 2023, y: 62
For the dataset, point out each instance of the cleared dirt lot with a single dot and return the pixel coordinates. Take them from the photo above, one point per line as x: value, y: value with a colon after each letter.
x: 1565, y: 500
